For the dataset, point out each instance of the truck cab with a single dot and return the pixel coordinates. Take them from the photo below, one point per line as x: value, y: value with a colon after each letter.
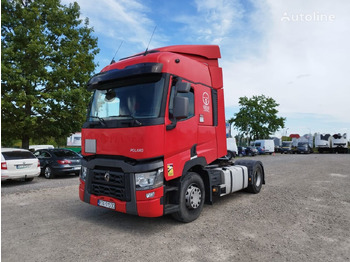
x: 154, y: 118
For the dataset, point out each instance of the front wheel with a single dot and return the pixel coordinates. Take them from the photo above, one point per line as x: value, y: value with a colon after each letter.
x: 191, y: 198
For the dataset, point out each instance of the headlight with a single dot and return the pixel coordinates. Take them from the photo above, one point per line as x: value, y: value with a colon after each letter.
x: 149, y: 180
x: 83, y: 173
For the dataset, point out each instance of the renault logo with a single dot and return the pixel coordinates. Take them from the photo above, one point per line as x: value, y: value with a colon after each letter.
x: 107, y: 176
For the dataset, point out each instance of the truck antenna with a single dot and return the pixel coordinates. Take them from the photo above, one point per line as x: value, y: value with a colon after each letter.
x: 113, y: 61
x: 150, y: 40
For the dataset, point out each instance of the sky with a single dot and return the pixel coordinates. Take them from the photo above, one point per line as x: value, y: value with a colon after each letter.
x: 294, y: 51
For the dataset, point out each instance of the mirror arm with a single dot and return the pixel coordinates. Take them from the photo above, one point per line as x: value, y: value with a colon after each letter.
x: 172, y: 125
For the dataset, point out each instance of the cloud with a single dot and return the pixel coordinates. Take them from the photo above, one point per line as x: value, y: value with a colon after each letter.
x: 213, y: 22
x: 125, y: 20
x: 303, y: 65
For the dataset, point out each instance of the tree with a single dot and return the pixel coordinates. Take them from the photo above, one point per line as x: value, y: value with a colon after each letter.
x: 257, y: 117
x: 47, y: 57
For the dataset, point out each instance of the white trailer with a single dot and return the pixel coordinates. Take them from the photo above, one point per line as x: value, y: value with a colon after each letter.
x: 323, y: 142
x: 340, y: 143
x: 337, y: 143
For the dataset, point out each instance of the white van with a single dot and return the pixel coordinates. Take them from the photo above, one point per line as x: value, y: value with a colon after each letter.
x: 266, y: 146
x: 232, y: 149
x: 38, y: 147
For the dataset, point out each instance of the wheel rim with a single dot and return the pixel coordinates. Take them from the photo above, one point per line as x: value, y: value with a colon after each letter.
x: 47, y: 172
x: 193, y: 197
x: 257, y: 178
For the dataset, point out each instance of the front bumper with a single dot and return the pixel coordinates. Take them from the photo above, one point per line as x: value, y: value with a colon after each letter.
x: 119, y: 188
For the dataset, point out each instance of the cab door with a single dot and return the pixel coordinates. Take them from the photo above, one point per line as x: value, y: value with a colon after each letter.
x: 181, y: 140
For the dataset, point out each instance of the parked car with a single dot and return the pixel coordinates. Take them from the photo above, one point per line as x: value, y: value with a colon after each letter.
x: 241, y: 151
x: 58, y: 162
x: 304, y: 148
x: 261, y: 151
x: 18, y: 164
x: 251, y: 151
x: 286, y: 147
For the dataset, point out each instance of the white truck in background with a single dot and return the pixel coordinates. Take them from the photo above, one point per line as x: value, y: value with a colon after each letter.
x: 232, y: 149
x: 323, y: 142
x: 334, y: 144
x: 340, y: 143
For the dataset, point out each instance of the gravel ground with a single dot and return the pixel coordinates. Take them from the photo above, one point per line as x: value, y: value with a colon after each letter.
x: 301, y: 214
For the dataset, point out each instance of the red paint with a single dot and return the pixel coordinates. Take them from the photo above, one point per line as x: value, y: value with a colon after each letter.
x: 81, y: 190
x: 149, y: 207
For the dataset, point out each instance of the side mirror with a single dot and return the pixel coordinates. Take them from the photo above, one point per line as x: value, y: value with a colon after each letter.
x: 181, y: 107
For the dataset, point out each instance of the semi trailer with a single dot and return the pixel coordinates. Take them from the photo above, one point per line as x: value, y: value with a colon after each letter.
x: 154, y: 140
x: 338, y: 143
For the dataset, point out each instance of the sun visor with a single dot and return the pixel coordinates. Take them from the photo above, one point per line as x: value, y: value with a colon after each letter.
x: 100, y: 79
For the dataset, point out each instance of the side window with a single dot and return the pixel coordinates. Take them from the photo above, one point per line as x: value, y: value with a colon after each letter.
x: 46, y: 154
x: 190, y: 96
x: 171, y: 102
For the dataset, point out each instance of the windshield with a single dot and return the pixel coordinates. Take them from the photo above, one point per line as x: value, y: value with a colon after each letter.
x: 286, y: 144
x: 141, y: 100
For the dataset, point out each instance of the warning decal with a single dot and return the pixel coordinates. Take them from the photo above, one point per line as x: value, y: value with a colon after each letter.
x: 170, y: 170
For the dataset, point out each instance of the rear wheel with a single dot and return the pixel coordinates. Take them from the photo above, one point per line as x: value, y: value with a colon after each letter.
x: 257, y: 178
x: 191, y: 198
x: 48, y: 173
x: 255, y: 173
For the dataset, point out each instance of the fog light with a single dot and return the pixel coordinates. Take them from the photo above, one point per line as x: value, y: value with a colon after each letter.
x: 150, y: 195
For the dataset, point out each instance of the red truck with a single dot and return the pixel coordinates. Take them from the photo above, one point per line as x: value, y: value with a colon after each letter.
x: 154, y: 142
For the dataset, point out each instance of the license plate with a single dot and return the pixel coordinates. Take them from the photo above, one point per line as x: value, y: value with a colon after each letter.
x: 106, y: 204
x: 22, y: 166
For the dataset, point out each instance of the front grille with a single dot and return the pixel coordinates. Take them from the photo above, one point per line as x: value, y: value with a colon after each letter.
x: 111, y: 191
x: 110, y: 183
x: 117, y: 179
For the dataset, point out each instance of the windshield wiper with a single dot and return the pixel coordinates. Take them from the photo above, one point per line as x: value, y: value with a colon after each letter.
x: 132, y: 117
x: 102, y: 121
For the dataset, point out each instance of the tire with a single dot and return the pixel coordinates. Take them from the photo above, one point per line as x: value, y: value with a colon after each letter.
x: 191, y: 198
x: 48, y: 173
x: 255, y: 174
